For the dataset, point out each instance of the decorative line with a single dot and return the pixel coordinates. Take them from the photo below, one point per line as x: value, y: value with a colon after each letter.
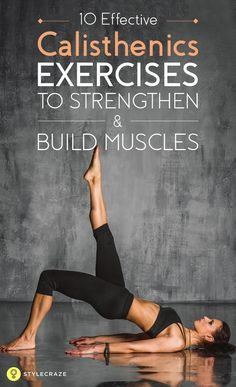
x: 164, y: 120
x: 40, y: 21
x: 195, y: 21
x: 72, y: 120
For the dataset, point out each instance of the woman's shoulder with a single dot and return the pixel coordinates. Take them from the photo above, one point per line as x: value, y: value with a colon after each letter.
x: 177, y: 333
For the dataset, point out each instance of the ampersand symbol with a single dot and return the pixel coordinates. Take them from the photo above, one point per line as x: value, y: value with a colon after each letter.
x: 117, y: 122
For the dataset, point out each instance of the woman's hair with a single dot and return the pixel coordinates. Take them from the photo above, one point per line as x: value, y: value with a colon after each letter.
x: 221, y: 341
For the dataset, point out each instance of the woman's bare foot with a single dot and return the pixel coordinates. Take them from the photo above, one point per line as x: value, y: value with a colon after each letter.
x: 21, y: 342
x: 93, y: 173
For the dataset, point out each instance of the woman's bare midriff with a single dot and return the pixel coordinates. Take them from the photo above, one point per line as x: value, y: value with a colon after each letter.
x: 143, y: 313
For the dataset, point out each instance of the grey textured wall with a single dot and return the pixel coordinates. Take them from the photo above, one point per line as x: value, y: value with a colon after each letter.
x: 172, y: 213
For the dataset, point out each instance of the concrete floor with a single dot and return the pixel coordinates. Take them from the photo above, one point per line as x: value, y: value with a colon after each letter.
x: 68, y: 320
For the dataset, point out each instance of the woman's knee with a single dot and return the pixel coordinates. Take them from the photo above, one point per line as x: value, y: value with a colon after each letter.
x: 45, y: 275
x: 46, y: 282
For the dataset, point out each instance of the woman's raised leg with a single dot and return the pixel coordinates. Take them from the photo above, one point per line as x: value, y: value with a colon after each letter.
x: 93, y: 176
x: 108, y: 265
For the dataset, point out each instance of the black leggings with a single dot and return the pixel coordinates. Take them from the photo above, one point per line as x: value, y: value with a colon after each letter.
x: 106, y: 291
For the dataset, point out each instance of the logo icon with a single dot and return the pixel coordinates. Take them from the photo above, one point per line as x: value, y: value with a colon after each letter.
x: 13, y: 374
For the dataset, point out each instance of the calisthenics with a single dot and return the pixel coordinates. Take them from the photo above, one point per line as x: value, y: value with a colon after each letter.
x: 162, y: 328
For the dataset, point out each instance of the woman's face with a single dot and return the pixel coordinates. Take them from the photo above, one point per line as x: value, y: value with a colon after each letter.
x: 206, y: 327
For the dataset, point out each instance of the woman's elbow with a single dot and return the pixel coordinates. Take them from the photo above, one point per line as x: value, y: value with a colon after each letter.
x: 179, y: 345
x: 169, y: 346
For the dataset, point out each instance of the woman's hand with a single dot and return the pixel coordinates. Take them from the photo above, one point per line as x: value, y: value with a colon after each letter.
x: 85, y: 349
x: 85, y: 340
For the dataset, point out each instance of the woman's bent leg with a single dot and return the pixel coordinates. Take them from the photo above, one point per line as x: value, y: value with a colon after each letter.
x: 40, y: 307
x: 109, y: 300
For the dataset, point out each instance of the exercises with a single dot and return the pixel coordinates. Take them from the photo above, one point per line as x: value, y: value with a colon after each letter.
x: 106, y: 292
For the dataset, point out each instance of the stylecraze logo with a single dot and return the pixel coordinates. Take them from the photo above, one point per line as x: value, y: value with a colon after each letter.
x: 13, y: 374
x: 44, y: 373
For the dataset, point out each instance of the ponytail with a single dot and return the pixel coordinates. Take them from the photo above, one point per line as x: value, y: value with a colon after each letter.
x: 217, y: 348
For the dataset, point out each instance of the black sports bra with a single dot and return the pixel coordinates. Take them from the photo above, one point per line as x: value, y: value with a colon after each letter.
x: 166, y: 317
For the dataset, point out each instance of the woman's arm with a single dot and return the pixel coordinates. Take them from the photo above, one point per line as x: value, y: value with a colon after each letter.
x: 122, y: 337
x: 117, y: 338
x: 159, y: 344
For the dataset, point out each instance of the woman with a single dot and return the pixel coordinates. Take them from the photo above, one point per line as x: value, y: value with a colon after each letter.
x: 106, y: 292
